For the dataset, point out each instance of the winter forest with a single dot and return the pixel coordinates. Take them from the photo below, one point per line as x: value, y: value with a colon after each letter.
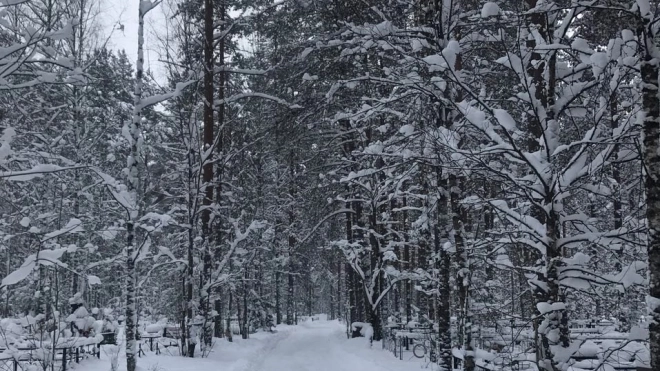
x: 331, y: 185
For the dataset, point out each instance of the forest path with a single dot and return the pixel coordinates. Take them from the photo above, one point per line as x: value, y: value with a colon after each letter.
x: 309, y: 346
x: 322, y: 346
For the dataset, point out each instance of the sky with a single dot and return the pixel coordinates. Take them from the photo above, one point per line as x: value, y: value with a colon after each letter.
x: 116, y: 13
x: 125, y: 12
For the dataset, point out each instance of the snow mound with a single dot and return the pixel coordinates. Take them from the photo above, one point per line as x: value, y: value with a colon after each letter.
x: 490, y: 9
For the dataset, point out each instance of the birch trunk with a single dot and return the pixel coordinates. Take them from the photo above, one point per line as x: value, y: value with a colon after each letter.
x: 133, y: 185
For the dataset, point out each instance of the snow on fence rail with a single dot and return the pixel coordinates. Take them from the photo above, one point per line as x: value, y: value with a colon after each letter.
x: 55, y: 358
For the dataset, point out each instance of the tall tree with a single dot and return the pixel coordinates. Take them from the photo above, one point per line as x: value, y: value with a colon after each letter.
x: 647, y: 35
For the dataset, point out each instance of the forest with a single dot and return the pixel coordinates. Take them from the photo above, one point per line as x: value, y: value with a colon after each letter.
x: 486, y: 170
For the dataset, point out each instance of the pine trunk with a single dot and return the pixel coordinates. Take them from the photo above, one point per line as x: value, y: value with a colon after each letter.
x: 207, y: 178
x: 376, y: 262
x: 443, y: 311
x: 339, y: 306
x: 278, y: 304
x: 290, y: 300
x: 463, y: 274
x: 219, y: 171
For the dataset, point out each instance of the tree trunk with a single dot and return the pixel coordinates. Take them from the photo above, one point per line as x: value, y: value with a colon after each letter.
x: 463, y: 274
x: 350, y: 276
x: 219, y: 170
x: 443, y: 313
x: 290, y: 305
x: 189, y: 347
x: 218, y: 328
x: 278, y: 273
x: 278, y: 304
x: 246, y: 317
x: 339, y: 286
x: 207, y: 178
x: 651, y: 107
x: 230, y: 335
x: 350, y: 292
x: 131, y: 315
x: 133, y: 186
x: 374, y: 321
x: 408, y: 264
x: 289, y: 296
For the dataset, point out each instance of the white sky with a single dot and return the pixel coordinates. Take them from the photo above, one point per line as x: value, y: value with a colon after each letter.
x: 125, y: 12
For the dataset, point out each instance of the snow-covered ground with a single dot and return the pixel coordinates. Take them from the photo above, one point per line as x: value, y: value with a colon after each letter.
x: 310, y: 346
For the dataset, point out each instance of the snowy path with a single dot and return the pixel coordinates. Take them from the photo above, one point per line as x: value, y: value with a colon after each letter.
x: 310, y: 346
x: 321, y: 346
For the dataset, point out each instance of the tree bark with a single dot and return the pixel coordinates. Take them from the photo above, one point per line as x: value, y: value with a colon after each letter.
x: 651, y: 108
x: 133, y: 186
x: 220, y: 150
x: 290, y: 302
x: 339, y: 306
x: 463, y: 274
x: 207, y: 178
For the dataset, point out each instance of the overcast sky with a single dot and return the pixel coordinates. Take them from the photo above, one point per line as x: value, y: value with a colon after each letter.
x: 125, y: 12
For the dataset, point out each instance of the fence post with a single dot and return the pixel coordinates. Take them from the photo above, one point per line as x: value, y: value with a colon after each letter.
x: 63, y: 359
x: 77, y: 355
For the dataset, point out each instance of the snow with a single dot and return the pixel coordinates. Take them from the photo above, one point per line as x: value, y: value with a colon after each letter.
x: 545, y: 308
x: 581, y: 45
x: 146, y: 6
x: 644, y: 7
x: 312, y: 345
x: 11, y: 2
x: 305, y: 53
x: 638, y: 333
x: 599, y: 62
x: 450, y: 52
x: 46, y: 257
x: 407, y: 130
x: 93, y: 280
x: 652, y: 303
x: 155, y: 99
x: 5, y: 141
x: 589, y: 349
x: 435, y: 62
x: 308, y: 77
x: 37, y: 171
x: 154, y: 328
x: 490, y: 9
x: 505, y: 119
x: 73, y: 226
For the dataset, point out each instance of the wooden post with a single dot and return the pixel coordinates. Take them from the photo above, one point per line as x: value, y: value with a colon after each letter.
x: 77, y: 355
x: 64, y: 359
